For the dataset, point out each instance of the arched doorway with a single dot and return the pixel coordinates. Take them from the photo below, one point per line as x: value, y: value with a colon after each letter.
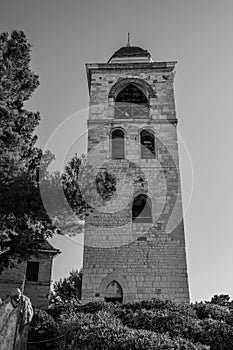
x: 114, y: 292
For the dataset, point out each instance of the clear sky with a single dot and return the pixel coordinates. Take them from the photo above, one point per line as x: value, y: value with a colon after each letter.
x: 67, y: 34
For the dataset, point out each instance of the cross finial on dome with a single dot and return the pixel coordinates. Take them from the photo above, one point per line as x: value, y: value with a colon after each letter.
x: 128, y: 43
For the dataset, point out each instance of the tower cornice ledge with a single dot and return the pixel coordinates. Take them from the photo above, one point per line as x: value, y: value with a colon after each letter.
x: 127, y: 121
x: 159, y: 65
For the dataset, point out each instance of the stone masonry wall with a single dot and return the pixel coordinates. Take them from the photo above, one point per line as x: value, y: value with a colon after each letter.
x: 161, y: 81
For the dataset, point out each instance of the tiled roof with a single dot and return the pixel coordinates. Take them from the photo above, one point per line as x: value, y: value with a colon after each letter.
x: 46, y: 246
x: 130, y: 51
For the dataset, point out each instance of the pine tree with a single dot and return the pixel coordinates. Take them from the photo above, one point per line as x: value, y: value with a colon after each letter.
x: 24, y: 224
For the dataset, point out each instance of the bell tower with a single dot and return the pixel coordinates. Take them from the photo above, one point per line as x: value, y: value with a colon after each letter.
x: 134, y: 245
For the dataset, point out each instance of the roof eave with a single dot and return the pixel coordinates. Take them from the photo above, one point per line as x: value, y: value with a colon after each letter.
x: 106, y: 66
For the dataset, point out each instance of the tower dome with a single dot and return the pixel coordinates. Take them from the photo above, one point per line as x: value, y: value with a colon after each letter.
x: 130, y: 54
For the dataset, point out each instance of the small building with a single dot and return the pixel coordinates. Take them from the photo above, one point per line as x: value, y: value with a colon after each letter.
x: 32, y: 276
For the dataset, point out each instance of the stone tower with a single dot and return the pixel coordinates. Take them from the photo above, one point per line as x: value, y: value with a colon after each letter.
x: 134, y: 246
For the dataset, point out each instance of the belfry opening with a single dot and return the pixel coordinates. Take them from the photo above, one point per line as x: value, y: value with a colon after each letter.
x: 132, y: 94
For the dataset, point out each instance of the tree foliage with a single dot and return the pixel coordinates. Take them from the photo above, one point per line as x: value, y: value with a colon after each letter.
x: 72, y: 196
x: 67, y: 288
x: 222, y: 299
x: 29, y: 212
x: 24, y: 224
x: 84, y: 189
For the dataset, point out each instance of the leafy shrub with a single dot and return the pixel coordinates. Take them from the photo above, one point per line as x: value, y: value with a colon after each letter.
x: 155, y: 305
x: 102, y: 331
x: 229, y: 318
x: 64, y: 309
x: 214, y: 311
x: 42, y: 327
x: 101, y: 318
x: 163, y: 321
x: 218, y: 335
x: 147, y: 325
x: 96, y: 306
x: 222, y: 299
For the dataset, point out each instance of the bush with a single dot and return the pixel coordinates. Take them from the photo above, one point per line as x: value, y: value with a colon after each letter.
x: 42, y: 327
x: 218, y: 335
x: 229, y: 318
x: 64, y: 309
x: 163, y: 321
x: 102, y: 331
x: 222, y: 299
x: 146, y: 325
x: 214, y: 311
x: 157, y: 304
x: 96, y: 306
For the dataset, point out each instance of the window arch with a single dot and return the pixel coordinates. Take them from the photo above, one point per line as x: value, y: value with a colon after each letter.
x: 147, y: 140
x: 132, y: 94
x: 142, y: 209
x: 122, y: 83
x: 114, y: 292
x: 131, y: 102
x: 118, y: 144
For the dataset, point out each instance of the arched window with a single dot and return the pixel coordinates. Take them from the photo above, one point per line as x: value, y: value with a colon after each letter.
x: 132, y: 94
x: 147, y: 139
x: 131, y: 102
x: 118, y: 144
x: 114, y: 292
x: 141, y: 209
